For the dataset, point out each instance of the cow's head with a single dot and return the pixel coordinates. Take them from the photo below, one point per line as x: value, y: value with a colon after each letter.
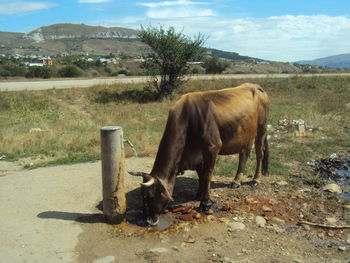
x: 155, y: 197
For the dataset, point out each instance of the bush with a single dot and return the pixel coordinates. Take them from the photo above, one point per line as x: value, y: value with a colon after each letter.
x: 39, y: 72
x: 69, y: 72
x: 213, y: 65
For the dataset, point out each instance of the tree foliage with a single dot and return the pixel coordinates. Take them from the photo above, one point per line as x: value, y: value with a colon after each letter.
x: 214, y: 65
x: 69, y: 72
x: 39, y: 72
x: 171, y: 52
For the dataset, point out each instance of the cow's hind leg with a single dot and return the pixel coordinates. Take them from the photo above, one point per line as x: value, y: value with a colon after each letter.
x: 259, y: 151
x: 243, y: 157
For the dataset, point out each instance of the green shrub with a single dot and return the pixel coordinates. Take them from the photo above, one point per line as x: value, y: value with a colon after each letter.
x: 69, y: 72
x: 39, y: 72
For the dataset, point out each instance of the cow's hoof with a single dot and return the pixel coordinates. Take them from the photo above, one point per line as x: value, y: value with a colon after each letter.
x: 205, y: 206
x: 254, y: 183
x: 234, y: 185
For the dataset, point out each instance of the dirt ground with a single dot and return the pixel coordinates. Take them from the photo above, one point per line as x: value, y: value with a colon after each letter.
x: 54, y: 215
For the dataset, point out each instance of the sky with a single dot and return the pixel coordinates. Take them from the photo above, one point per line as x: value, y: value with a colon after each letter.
x: 279, y: 30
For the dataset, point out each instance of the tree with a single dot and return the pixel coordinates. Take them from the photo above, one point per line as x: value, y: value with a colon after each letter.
x: 39, y: 72
x: 69, y: 72
x: 171, y: 52
x: 213, y: 65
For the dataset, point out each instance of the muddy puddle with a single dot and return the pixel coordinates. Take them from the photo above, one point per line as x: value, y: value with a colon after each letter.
x: 336, y: 168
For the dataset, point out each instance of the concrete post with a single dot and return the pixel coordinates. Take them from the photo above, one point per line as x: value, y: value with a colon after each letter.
x: 112, y: 160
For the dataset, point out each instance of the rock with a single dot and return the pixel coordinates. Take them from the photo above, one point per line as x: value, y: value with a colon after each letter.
x: 330, y: 233
x: 277, y: 221
x: 178, y: 209
x: 197, y: 216
x: 190, y: 239
x: 185, y: 217
x: 346, y: 207
x: 260, y: 221
x: 210, y: 218
x: 159, y: 250
x: 209, y: 212
x: 282, y: 183
x: 236, y: 226
x: 277, y: 229
x: 266, y: 208
x: 341, y: 248
x: 224, y: 220
x: 273, y: 201
x: 107, y: 259
x: 251, y: 201
x: 175, y: 249
x: 330, y: 220
x: 333, y: 188
x: 306, y: 227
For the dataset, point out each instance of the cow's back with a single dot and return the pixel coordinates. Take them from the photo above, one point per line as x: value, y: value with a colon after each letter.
x: 235, y: 112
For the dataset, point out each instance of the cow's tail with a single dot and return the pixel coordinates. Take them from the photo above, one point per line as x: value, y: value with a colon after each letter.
x: 265, y: 160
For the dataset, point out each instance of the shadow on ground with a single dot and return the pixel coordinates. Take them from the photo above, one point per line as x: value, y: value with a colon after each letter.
x: 184, y: 191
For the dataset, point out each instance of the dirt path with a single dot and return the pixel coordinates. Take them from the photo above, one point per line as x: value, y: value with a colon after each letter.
x: 53, y: 215
x: 80, y: 83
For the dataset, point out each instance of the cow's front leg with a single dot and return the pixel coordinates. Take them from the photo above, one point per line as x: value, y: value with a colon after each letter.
x: 208, y: 167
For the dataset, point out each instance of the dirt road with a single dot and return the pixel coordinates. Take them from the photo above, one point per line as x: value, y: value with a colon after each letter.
x: 53, y: 215
x: 71, y: 83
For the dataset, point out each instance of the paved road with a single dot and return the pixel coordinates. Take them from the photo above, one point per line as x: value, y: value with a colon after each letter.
x: 61, y: 84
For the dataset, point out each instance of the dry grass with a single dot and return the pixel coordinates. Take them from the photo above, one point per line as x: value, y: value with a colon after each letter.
x: 68, y: 121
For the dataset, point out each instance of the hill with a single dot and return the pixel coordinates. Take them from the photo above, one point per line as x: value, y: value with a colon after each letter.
x: 81, y: 39
x: 337, y: 61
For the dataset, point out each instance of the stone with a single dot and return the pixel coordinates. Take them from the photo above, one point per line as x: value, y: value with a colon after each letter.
x: 260, y: 221
x: 175, y: 249
x: 282, y: 183
x: 159, y: 250
x: 190, y: 239
x: 224, y: 220
x: 330, y: 220
x: 306, y: 227
x: 333, y: 188
x: 277, y: 229
x: 266, y: 208
x: 346, y: 207
x: 107, y: 259
x: 236, y: 226
x: 341, y: 248
x: 277, y: 221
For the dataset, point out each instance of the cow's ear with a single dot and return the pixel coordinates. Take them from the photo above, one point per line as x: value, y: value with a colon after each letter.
x: 165, y: 192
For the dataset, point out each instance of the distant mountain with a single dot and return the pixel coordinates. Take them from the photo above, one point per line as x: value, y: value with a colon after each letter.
x: 338, y: 61
x: 231, y: 55
x: 77, y: 39
x: 75, y: 31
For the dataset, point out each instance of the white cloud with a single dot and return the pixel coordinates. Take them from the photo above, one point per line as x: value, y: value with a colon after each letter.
x: 172, y: 3
x: 21, y: 7
x: 280, y: 38
x: 178, y: 12
x: 93, y: 1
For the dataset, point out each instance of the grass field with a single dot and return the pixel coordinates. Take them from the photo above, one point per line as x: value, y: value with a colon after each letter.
x: 62, y: 126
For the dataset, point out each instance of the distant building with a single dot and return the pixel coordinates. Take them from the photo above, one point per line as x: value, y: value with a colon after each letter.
x: 45, y: 60
x: 33, y: 64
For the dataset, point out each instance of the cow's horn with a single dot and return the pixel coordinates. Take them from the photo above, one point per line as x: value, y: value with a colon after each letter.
x: 136, y: 173
x: 149, y: 182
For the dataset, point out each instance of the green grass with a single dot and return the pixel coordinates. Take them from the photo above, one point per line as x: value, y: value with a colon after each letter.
x: 54, y: 127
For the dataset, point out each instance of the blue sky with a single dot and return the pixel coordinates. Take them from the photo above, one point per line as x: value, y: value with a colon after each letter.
x: 282, y: 30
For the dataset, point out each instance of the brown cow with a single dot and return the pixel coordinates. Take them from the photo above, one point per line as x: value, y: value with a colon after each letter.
x: 200, y: 126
